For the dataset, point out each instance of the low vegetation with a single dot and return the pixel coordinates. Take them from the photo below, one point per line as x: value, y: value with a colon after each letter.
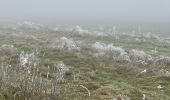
x: 44, y: 63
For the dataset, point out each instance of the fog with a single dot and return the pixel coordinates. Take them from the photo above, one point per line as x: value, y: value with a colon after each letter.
x: 81, y: 11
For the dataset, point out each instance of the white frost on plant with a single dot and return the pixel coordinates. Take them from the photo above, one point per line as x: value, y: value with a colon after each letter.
x: 103, y: 49
x: 159, y: 87
x: 165, y: 72
x: 62, y: 68
x: 144, y: 97
x: 30, y: 25
x: 65, y: 43
x: 82, y: 32
x: 99, y: 46
x: 108, y: 48
x: 7, y: 46
x: 27, y: 60
x: 162, y: 58
x: 79, y: 31
x: 23, y: 58
x: 140, y: 55
x: 144, y: 71
x: 147, y: 35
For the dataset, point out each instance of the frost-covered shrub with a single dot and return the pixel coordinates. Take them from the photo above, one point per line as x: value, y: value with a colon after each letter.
x: 66, y: 44
x: 101, y: 47
x: 150, y: 36
x: 109, y: 50
x: 79, y: 31
x: 115, y: 50
x: 125, y: 57
x: 162, y: 58
x: 82, y: 32
x: 163, y: 72
x: 30, y: 25
x: 154, y: 36
x: 62, y: 69
x: 28, y: 59
x: 139, y: 55
x: 147, y: 35
x: 164, y: 40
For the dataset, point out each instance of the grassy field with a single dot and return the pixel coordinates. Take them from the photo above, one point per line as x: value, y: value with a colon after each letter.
x: 40, y: 63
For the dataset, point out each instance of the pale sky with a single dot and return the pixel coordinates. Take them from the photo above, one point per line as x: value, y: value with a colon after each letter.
x: 82, y: 10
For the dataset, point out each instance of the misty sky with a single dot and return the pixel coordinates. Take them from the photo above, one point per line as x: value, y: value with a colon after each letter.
x: 115, y: 10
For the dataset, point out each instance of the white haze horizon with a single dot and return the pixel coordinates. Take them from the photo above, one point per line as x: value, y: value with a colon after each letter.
x: 86, y: 11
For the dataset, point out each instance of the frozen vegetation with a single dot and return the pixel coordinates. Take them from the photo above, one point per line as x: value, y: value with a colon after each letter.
x: 64, y: 43
x: 79, y: 31
x: 38, y: 62
x: 104, y: 50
